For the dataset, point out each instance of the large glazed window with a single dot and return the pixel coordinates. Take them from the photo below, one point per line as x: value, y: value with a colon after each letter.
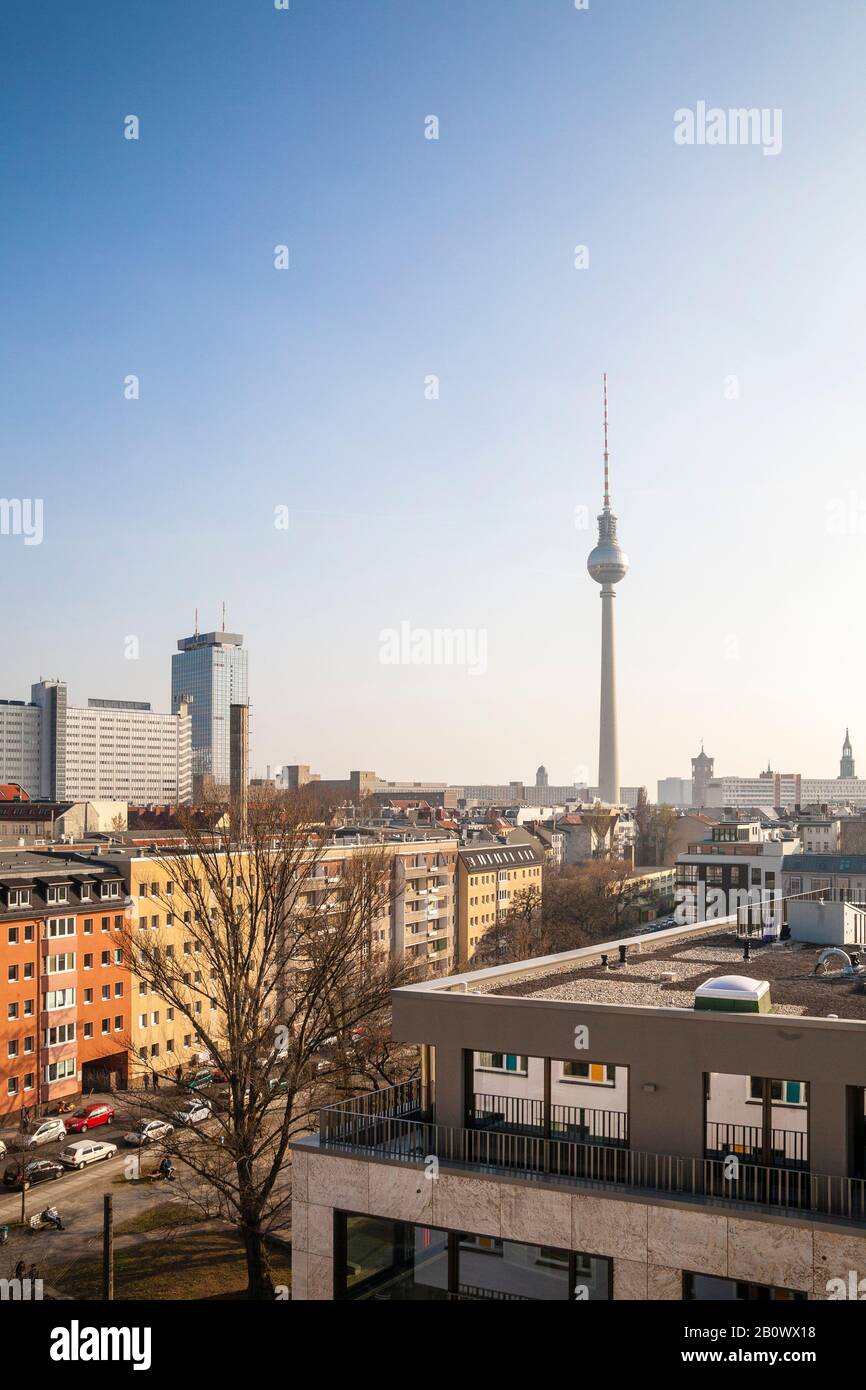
x: 700, y: 1287
x: 395, y: 1261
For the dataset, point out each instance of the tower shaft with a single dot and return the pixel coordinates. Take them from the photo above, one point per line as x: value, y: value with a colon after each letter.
x: 608, y: 739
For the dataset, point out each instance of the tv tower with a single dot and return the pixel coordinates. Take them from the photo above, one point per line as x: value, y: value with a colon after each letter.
x: 607, y: 564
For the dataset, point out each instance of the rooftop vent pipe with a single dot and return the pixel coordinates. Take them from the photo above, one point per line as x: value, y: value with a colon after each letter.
x: 849, y: 967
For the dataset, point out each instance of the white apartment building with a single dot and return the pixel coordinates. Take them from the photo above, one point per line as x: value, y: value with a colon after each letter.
x: 19, y: 745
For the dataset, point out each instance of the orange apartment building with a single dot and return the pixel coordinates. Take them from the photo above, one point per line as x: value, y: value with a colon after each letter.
x: 64, y: 990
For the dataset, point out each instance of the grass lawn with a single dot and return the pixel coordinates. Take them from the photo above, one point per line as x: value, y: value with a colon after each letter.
x: 182, y: 1263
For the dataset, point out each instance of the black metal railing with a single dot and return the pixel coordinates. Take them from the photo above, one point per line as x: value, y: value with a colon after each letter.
x: 777, y: 1148
x: 572, y: 1123
x: 368, y: 1129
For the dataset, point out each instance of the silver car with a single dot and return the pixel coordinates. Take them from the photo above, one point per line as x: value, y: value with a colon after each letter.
x: 46, y: 1132
x: 85, y: 1151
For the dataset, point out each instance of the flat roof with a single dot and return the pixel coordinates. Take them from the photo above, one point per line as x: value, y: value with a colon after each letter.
x: 665, y: 975
x: 663, y: 969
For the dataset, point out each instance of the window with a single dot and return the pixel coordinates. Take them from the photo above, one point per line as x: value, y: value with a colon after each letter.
x: 61, y: 964
x: 57, y: 893
x: 704, y: 1286
x: 503, y: 1061
x: 58, y: 999
x: 59, y: 1071
x: 18, y: 897
x: 598, y: 1073
x: 88, y: 926
x: 12, y: 974
x: 88, y: 1030
x: 12, y: 1011
x: 60, y: 926
x: 394, y: 1261
x: 62, y: 1033
x: 13, y: 936
x: 781, y: 1092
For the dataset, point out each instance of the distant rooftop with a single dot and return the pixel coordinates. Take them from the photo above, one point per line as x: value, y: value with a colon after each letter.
x: 209, y: 639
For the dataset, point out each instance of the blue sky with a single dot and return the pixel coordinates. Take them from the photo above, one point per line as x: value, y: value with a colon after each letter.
x: 744, y: 517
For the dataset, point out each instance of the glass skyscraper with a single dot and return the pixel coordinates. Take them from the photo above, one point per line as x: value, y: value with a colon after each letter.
x: 210, y: 669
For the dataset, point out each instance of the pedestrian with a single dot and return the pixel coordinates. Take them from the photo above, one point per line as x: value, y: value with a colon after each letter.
x: 25, y: 1119
x: 156, y: 1080
x: 146, y: 1080
x: 20, y: 1271
x: 33, y: 1273
x: 178, y: 1074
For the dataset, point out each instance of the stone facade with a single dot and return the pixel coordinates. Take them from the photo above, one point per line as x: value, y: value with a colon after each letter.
x: 651, y: 1244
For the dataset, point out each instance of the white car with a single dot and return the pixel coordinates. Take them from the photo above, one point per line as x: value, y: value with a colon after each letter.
x: 192, y: 1112
x: 148, y: 1132
x: 86, y: 1151
x: 46, y: 1132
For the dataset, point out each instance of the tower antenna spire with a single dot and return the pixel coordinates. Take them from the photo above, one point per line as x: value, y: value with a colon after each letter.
x: 606, y: 451
x: 196, y: 622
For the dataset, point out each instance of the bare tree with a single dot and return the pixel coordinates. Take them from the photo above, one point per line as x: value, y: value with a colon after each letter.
x: 273, y: 963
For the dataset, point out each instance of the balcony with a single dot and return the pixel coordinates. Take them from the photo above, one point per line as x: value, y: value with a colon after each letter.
x: 572, y: 1123
x: 399, y: 1125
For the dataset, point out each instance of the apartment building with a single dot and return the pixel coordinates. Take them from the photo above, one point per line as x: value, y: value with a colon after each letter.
x: 490, y: 880
x: 416, y: 925
x: 64, y: 991
x: 656, y: 1118
x: 833, y: 876
x: 715, y: 875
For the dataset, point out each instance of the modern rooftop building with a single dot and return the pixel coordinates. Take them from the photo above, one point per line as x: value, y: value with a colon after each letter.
x: 654, y: 1118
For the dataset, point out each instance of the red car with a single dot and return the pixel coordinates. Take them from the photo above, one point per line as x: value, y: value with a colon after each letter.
x: 88, y: 1118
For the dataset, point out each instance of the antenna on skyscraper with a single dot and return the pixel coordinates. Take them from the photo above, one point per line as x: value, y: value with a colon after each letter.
x: 196, y: 622
x: 224, y: 615
x: 606, y: 453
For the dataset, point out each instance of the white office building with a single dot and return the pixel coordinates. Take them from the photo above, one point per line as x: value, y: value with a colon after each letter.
x: 108, y: 750
x: 19, y: 745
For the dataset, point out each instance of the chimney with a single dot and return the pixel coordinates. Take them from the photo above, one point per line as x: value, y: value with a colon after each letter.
x: 239, y: 764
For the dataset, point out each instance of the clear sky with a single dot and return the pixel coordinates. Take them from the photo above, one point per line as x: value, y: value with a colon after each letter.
x: 742, y: 505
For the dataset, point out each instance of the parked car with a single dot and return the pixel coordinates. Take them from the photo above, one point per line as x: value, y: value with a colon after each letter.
x: 196, y: 1081
x: 46, y: 1132
x: 192, y: 1112
x: 147, y: 1132
x: 26, y: 1175
x: 2, y: 1148
x: 86, y: 1151
x: 88, y: 1118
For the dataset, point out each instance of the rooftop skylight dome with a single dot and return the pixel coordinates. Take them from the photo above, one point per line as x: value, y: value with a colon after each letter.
x: 734, y: 994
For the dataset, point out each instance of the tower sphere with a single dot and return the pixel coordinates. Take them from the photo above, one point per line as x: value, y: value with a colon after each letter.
x: 608, y: 562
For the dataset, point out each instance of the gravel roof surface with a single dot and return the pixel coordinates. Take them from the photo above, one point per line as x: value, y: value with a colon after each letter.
x: 789, y: 967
